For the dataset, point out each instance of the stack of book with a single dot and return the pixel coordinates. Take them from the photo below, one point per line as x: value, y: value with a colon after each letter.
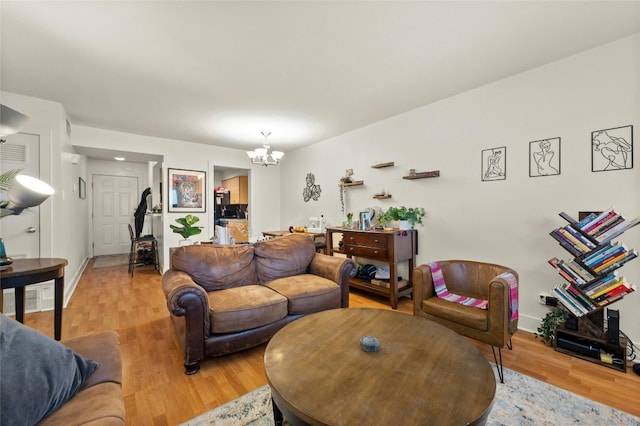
x: 606, y: 226
x: 572, y: 240
x: 581, y: 301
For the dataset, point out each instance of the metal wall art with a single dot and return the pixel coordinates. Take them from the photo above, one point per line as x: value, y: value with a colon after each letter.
x: 494, y: 164
x: 544, y: 157
x: 187, y: 191
x: 311, y: 190
x: 612, y: 149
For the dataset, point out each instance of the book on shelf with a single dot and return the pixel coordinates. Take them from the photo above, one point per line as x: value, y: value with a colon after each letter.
x: 582, y: 272
x: 602, y: 252
x: 616, y: 297
x: 596, y: 292
x: 622, y: 289
x: 614, y: 231
x: 587, y: 303
x: 558, y: 264
x: 580, y: 237
x: 588, y: 225
x: 568, y: 244
x: 567, y: 301
x: 600, y: 282
x: 603, y: 224
x: 617, y: 263
x: 607, y: 225
x: 610, y: 260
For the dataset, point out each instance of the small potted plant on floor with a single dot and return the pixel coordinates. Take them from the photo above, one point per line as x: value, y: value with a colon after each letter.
x: 408, y: 217
x: 554, y: 318
x: 187, y: 229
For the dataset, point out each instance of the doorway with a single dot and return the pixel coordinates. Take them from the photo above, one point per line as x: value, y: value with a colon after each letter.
x: 114, y: 202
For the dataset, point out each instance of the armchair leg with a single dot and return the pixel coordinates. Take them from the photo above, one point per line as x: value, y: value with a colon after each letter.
x: 499, y: 365
x: 510, y: 345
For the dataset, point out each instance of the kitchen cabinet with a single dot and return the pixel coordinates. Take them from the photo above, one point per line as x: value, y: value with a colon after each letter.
x: 238, y: 229
x: 238, y: 188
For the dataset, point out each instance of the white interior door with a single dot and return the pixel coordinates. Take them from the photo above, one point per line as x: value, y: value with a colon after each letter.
x: 21, y: 233
x: 114, y: 202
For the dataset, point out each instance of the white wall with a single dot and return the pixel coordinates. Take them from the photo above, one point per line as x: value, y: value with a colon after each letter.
x: 67, y: 239
x: 508, y: 221
x: 264, y: 190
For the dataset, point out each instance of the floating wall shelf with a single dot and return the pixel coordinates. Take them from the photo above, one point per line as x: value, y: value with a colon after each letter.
x: 354, y: 183
x: 382, y: 165
x: 423, y: 175
x: 382, y: 197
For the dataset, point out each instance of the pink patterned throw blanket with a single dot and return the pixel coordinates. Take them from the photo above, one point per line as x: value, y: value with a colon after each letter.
x: 443, y: 293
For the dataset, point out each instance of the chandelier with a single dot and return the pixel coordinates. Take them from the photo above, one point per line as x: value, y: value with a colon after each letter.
x: 264, y: 155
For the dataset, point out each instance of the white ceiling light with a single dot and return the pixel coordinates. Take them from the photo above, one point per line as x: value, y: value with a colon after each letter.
x: 264, y: 155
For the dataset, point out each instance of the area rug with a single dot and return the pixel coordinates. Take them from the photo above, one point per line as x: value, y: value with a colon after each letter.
x: 521, y: 400
x: 111, y: 261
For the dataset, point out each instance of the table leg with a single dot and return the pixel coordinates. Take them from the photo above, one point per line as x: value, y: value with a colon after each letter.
x: 19, y: 302
x: 58, y: 297
x: 278, y: 418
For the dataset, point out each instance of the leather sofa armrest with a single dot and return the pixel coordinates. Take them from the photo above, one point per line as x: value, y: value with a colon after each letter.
x: 336, y: 269
x: 422, y: 286
x: 499, y: 301
x: 186, y: 298
x: 104, y: 348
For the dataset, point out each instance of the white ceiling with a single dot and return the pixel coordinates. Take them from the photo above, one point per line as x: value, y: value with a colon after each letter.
x: 222, y: 72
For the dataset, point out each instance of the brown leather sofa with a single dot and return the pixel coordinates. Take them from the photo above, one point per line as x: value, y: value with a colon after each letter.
x: 99, y: 401
x: 225, y: 299
x: 475, y: 279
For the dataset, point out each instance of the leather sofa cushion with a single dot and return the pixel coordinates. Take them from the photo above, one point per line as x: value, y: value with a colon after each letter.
x: 243, y: 308
x: 283, y: 256
x: 307, y: 293
x: 457, y: 313
x: 216, y: 267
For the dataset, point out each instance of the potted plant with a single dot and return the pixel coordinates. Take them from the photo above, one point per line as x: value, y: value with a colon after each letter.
x: 550, y: 322
x: 411, y: 216
x: 187, y: 229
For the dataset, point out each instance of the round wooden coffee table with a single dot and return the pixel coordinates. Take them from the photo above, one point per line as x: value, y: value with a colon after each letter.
x: 423, y: 373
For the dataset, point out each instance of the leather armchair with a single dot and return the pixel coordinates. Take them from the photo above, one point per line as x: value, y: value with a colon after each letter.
x: 493, y: 325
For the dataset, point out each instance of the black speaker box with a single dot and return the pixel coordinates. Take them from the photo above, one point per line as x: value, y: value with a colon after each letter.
x: 613, y: 327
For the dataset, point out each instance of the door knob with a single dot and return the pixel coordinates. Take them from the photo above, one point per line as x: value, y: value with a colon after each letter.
x: 31, y: 230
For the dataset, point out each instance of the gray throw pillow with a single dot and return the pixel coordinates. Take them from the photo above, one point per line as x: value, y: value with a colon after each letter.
x: 37, y: 373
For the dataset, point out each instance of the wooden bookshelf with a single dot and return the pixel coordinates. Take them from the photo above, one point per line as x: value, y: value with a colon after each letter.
x: 592, y: 284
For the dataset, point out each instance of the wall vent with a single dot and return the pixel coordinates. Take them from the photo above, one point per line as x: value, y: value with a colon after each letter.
x: 16, y: 153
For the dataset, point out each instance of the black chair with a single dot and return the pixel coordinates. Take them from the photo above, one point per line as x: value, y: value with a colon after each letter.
x: 144, y: 251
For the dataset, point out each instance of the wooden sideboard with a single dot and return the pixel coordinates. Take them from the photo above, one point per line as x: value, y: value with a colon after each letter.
x: 391, y: 247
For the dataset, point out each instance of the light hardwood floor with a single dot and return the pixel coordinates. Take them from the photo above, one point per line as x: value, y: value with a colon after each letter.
x: 157, y: 392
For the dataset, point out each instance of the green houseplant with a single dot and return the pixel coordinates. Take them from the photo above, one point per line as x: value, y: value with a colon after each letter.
x: 187, y: 229
x: 554, y: 318
x: 413, y: 215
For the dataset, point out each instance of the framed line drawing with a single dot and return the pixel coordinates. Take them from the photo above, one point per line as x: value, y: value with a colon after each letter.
x: 187, y: 191
x: 82, y: 188
x: 544, y: 157
x: 612, y: 149
x: 494, y: 164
